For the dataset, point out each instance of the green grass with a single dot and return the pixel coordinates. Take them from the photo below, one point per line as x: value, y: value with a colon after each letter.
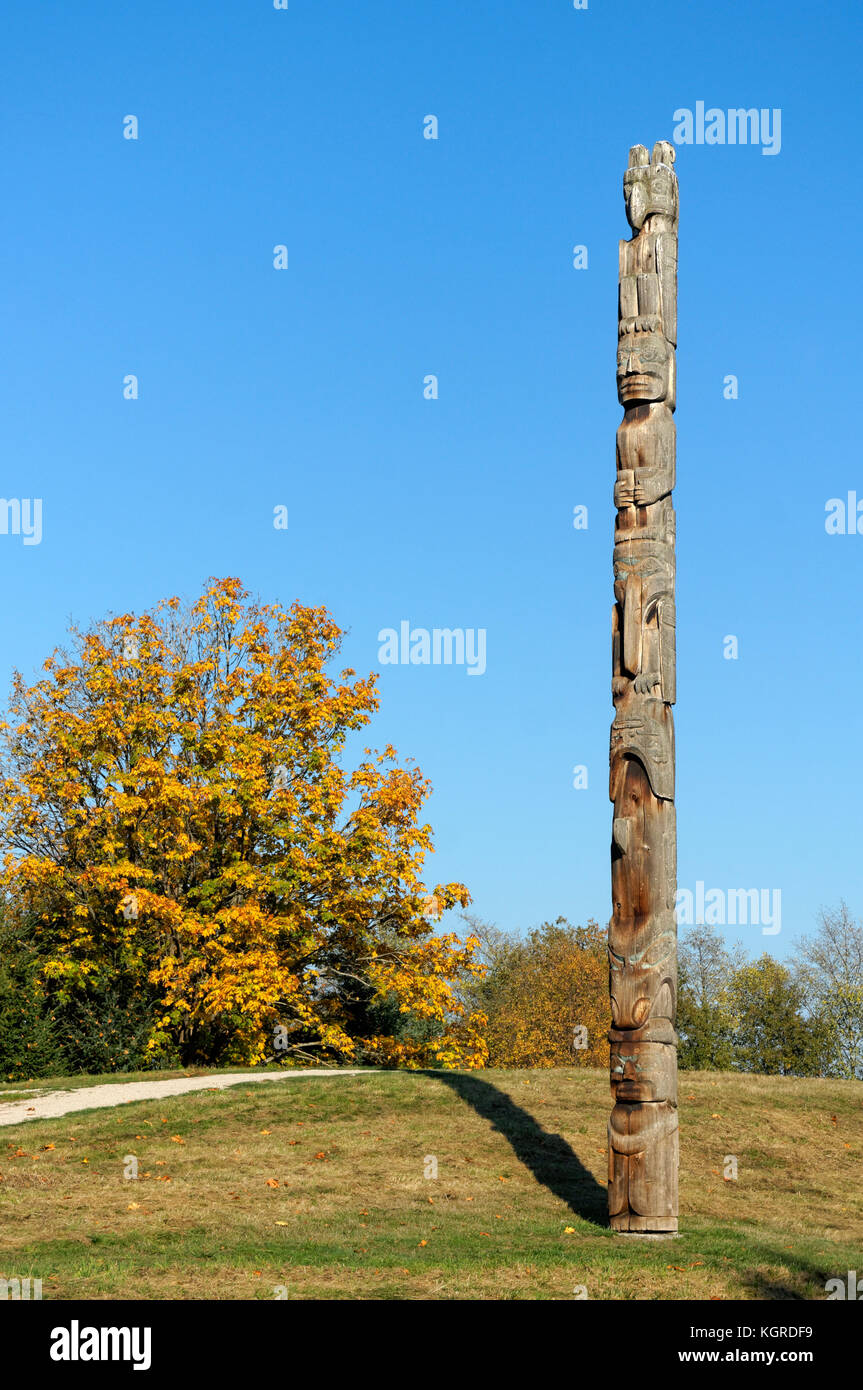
x: 520, y: 1158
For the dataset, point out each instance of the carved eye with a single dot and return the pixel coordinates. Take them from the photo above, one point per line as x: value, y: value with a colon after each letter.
x: 640, y: 1011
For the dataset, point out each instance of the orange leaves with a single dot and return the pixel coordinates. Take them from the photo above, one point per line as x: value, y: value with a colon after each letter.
x: 176, y: 790
x: 272, y: 1182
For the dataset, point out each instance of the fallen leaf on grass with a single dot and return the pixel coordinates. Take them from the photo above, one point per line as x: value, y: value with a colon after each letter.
x: 272, y: 1182
x: 567, y: 1230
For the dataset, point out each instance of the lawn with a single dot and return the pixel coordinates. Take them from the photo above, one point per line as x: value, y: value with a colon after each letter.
x: 325, y: 1188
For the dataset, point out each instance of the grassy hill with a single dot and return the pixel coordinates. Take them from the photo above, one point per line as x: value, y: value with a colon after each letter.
x: 317, y: 1187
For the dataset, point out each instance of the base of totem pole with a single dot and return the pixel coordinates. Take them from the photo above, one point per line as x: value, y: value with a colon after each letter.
x: 650, y: 1235
x: 654, y: 1227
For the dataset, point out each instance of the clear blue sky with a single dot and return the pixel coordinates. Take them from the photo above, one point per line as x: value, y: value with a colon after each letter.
x: 407, y: 257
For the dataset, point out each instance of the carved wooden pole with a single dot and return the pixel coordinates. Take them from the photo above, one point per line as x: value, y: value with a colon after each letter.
x: 642, y: 933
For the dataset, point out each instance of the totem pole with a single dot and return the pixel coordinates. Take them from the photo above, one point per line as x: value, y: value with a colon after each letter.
x: 642, y: 933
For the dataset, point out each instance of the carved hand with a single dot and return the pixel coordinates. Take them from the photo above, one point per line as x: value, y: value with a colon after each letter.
x: 624, y: 489
x: 649, y: 487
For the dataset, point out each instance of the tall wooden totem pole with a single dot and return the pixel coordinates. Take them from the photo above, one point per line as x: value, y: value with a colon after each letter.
x: 642, y: 933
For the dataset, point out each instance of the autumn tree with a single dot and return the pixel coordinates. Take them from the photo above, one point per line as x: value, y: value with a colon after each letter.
x: 178, y: 827
x: 546, y: 996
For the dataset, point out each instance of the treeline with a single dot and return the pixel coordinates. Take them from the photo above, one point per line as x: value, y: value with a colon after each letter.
x: 543, y: 999
x: 546, y: 999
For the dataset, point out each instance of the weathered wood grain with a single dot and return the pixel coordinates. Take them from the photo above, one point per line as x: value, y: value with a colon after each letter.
x: 642, y: 933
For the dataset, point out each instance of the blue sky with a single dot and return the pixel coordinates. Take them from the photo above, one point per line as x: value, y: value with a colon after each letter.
x: 453, y: 257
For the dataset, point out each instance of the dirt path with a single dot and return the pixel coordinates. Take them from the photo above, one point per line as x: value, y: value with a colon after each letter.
x: 99, y: 1097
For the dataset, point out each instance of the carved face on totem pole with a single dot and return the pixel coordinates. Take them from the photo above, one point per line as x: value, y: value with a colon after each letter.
x: 642, y: 1072
x: 645, y: 368
x: 643, y: 620
x: 642, y: 936
x: 642, y: 984
x: 647, y: 564
x: 650, y: 188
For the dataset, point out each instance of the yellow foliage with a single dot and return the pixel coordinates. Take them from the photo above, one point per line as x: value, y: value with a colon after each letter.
x: 174, y: 804
x: 547, y: 999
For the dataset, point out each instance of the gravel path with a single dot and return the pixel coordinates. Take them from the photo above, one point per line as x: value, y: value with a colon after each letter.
x: 98, y: 1097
